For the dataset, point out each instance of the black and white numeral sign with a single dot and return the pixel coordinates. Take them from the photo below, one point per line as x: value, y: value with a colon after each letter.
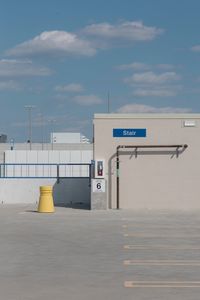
x: 98, y: 186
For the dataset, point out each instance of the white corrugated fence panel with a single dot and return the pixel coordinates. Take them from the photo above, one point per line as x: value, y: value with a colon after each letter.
x: 47, y: 157
x: 54, y: 157
x: 86, y: 156
x: 75, y: 158
x: 65, y: 157
x: 43, y: 157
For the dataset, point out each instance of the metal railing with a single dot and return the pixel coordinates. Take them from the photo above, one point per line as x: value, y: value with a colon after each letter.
x: 23, y: 170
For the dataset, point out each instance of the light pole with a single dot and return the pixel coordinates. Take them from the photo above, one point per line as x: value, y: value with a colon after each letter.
x: 29, y: 109
x: 52, y: 122
x: 41, y: 121
x: 108, y: 102
x: 12, y: 143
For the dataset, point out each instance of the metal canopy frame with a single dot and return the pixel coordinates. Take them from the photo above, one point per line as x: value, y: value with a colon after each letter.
x: 136, y: 147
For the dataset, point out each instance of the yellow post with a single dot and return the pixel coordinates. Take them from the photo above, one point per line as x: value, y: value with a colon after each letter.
x: 46, y: 200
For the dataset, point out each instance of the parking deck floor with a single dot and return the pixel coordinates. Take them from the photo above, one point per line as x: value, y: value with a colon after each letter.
x: 79, y: 254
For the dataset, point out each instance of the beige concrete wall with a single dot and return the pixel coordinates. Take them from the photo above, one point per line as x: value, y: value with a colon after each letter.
x: 67, y: 191
x: 155, y: 179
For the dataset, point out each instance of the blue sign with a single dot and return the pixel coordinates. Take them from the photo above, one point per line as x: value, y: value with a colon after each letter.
x: 129, y: 132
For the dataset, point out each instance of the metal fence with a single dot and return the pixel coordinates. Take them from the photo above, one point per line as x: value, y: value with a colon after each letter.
x: 69, y: 170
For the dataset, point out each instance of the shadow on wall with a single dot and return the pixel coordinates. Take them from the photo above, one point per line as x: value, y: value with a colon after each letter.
x: 72, y: 192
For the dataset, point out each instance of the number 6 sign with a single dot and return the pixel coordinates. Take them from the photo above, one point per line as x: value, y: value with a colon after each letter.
x: 98, y: 186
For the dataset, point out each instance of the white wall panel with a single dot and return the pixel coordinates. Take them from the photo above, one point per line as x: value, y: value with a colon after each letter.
x: 86, y: 156
x: 48, y: 157
x: 54, y: 157
x: 76, y: 156
x: 65, y: 157
x: 43, y: 157
x: 84, y: 171
x: 20, y: 156
x: 10, y: 156
x: 31, y: 156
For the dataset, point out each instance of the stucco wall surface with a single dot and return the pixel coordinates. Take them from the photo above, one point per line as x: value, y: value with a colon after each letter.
x: 152, y: 178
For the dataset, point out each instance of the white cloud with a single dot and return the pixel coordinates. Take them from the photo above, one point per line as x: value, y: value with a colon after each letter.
x: 129, y: 31
x: 152, y: 78
x: 76, y: 125
x: 159, y: 80
x: 87, y: 100
x: 72, y: 88
x: 9, y: 86
x: 142, y: 108
x: 86, y: 41
x: 54, y: 43
x: 137, y: 66
x: 166, y: 67
x: 19, y: 68
x: 196, y: 48
x: 156, y: 92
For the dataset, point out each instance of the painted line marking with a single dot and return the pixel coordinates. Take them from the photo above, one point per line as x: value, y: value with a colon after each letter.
x: 162, y: 284
x: 124, y: 226
x: 160, y: 247
x: 159, y: 236
x: 162, y: 262
x: 149, y: 226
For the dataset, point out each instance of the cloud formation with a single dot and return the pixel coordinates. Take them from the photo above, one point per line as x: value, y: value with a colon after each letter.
x: 128, y: 31
x: 20, y: 68
x: 54, y: 43
x: 9, y: 86
x: 87, y: 100
x: 158, y: 80
x: 196, y: 48
x: 152, y: 78
x: 155, y: 92
x: 142, y: 108
x: 72, y: 88
x: 138, y: 66
x: 86, y: 41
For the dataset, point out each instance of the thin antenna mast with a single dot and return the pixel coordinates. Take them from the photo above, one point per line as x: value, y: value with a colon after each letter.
x: 108, y: 102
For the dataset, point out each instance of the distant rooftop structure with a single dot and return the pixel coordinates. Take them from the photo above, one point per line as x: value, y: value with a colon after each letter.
x: 69, y: 138
x: 3, y: 138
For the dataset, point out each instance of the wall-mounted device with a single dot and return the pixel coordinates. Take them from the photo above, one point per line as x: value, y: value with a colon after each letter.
x: 100, y: 168
x: 189, y: 123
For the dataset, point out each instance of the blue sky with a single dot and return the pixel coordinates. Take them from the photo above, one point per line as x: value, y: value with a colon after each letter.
x: 64, y: 57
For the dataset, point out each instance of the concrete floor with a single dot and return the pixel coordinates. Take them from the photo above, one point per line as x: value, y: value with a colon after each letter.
x: 79, y: 254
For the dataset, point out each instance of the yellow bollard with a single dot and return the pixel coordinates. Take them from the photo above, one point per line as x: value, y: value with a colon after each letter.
x: 46, y: 200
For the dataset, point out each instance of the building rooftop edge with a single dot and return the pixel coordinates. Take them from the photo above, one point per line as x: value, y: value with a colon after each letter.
x: 148, y: 116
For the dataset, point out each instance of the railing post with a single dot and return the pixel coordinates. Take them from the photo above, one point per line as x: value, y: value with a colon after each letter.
x: 90, y: 174
x: 58, y: 174
x: 117, y: 177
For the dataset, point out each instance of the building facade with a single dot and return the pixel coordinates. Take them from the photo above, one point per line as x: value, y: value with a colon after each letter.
x: 149, y: 161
